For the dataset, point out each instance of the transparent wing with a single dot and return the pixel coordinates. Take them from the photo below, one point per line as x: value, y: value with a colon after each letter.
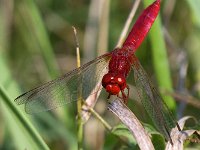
x: 65, y: 89
x: 152, y: 101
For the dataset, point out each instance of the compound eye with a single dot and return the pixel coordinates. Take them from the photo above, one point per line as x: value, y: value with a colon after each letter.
x: 113, y: 89
x: 107, y: 78
x: 120, y: 80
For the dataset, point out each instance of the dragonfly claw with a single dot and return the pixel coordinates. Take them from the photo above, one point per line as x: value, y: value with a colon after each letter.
x: 124, y: 96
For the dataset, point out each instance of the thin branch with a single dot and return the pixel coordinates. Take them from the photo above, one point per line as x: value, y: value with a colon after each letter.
x: 186, y: 98
x: 79, y: 102
x: 127, y: 24
x: 93, y: 112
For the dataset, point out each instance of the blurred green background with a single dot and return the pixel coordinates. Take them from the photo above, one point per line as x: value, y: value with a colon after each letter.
x: 37, y: 44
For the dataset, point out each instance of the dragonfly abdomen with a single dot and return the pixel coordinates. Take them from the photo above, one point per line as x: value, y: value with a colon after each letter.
x: 142, y: 26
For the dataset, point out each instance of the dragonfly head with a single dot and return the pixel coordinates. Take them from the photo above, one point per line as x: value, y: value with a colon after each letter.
x: 113, y: 83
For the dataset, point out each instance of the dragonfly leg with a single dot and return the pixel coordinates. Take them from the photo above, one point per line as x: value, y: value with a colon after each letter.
x: 108, y: 96
x: 128, y: 90
x: 125, y: 96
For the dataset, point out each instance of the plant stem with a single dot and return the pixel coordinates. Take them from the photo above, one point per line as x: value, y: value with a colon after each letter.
x: 106, y: 125
x: 79, y: 102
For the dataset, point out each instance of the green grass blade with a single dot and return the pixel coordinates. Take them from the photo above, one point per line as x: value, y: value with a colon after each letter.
x: 192, y: 43
x: 23, y: 133
x: 194, y: 5
x: 160, y: 59
x: 30, y: 16
x: 32, y: 137
x: 32, y: 29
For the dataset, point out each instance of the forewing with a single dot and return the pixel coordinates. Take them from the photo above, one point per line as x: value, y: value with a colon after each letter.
x: 152, y: 101
x: 65, y: 89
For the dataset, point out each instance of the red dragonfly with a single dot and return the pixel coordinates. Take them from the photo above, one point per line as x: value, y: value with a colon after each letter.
x: 111, y: 70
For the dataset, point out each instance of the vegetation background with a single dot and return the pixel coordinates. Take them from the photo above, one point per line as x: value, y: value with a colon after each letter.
x: 37, y: 45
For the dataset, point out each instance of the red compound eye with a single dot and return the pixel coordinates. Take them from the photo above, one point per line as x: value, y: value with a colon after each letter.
x: 113, y: 89
x: 107, y: 78
x: 120, y: 80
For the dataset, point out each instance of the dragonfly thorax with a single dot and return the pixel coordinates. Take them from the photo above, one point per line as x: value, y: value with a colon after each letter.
x: 114, y: 83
